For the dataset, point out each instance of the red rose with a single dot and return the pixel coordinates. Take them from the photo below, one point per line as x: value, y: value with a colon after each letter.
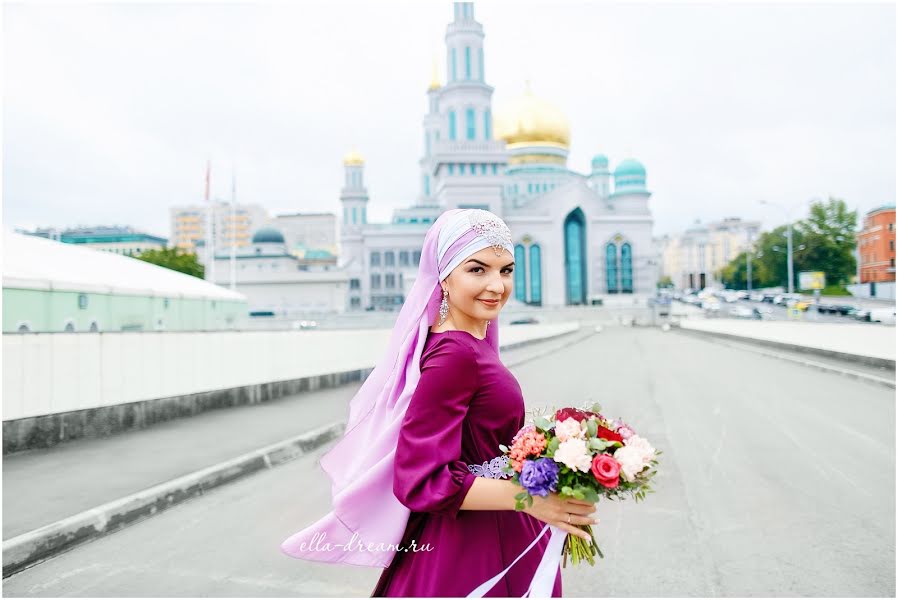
x: 609, y: 435
x: 573, y: 413
x: 606, y: 470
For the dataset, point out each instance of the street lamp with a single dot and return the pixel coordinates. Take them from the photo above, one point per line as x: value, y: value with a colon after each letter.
x: 788, y: 213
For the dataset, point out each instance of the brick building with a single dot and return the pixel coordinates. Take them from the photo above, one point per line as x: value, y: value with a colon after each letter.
x: 876, y: 246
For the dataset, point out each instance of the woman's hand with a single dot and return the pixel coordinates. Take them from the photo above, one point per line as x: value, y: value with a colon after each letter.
x: 554, y: 510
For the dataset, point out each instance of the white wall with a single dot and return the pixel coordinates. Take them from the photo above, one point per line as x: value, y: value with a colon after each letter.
x: 52, y: 373
x: 884, y: 290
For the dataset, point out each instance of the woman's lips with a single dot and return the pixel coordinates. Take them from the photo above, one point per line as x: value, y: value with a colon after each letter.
x: 490, y: 304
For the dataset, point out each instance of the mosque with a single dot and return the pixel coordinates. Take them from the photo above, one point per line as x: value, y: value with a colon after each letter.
x: 578, y: 238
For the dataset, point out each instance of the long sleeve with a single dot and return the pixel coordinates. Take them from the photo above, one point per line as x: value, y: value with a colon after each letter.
x: 429, y: 475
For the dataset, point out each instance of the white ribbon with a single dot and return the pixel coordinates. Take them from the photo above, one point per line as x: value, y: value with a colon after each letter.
x: 544, y: 578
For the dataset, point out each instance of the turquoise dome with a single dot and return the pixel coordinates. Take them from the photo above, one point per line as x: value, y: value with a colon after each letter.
x: 268, y: 235
x: 629, y: 167
x: 599, y: 160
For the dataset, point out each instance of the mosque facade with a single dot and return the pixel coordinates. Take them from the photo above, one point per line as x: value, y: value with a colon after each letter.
x: 579, y: 238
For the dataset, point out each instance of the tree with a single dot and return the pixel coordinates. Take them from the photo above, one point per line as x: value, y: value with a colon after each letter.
x: 735, y: 274
x: 174, y: 259
x: 665, y: 282
x: 829, y: 236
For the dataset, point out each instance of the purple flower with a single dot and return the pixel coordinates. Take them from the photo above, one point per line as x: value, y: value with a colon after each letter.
x: 539, y: 476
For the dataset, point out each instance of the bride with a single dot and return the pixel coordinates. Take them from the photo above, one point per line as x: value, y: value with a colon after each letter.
x: 416, y: 483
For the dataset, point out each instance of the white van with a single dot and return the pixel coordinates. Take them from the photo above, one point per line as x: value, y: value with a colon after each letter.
x: 883, y: 315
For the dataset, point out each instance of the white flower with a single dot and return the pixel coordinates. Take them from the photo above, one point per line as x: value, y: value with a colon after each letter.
x: 634, y: 456
x: 642, y: 446
x: 574, y: 454
x: 630, y: 462
x: 569, y: 428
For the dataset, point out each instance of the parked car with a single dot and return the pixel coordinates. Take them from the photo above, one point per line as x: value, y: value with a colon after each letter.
x: 741, y: 312
x: 845, y: 309
x: 859, y: 314
x: 711, y: 305
x: 799, y: 304
x: 883, y: 315
x: 524, y: 321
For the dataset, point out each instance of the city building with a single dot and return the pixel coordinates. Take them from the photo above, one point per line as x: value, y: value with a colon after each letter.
x: 279, y: 283
x: 115, y: 239
x: 876, y: 250
x: 308, y: 235
x: 579, y: 238
x: 694, y: 258
x: 50, y: 286
x: 233, y: 224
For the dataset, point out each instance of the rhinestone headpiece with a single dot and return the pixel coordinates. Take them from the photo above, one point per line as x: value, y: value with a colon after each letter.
x: 492, y: 228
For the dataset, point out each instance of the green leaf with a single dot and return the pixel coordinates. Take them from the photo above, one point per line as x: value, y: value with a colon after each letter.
x: 503, y: 448
x: 596, y: 408
x: 542, y: 423
x: 590, y: 494
x: 597, y: 444
x: 591, y: 428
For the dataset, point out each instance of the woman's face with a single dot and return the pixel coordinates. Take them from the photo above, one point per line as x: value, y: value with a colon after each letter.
x: 481, y: 276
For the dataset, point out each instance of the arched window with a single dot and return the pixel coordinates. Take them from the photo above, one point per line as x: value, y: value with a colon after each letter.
x: 520, y: 293
x: 487, y: 125
x: 536, y: 288
x: 469, y: 124
x: 480, y: 72
x: 451, y: 124
x: 574, y: 256
x: 467, y: 62
x: 626, y: 269
x: 611, y: 268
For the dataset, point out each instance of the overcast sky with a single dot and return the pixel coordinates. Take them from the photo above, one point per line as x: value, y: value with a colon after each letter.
x: 111, y: 111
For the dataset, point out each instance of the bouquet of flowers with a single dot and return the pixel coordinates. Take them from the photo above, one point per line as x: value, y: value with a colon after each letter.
x: 580, y: 454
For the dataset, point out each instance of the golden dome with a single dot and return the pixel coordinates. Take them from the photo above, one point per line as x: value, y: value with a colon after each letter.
x: 353, y: 158
x: 530, y: 120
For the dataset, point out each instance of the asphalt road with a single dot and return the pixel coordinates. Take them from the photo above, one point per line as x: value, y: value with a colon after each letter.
x: 776, y: 480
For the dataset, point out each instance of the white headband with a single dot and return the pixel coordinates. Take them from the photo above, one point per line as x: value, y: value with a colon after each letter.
x: 491, y: 231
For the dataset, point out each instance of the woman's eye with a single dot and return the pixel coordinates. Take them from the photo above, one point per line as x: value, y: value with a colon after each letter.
x: 475, y: 269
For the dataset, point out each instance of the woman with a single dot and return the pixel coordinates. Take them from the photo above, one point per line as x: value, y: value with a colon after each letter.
x: 431, y: 415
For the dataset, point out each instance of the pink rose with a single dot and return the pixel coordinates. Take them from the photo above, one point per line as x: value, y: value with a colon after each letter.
x: 606, y: 470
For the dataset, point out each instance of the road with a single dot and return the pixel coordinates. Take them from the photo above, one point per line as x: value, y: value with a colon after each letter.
x: 776, y: 480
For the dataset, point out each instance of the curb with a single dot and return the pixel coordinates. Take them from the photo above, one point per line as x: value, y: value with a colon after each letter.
x: 870, y: 361
x: 29, y: 548
x: 731, y: 341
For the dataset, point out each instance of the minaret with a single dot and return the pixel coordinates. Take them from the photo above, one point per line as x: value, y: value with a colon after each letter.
x: 467, y: 164
x: 600, y: 175
x: 431, y: 136
x: 354, y: 195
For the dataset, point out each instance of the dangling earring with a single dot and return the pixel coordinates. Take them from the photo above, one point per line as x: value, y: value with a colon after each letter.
x: 444, y: 307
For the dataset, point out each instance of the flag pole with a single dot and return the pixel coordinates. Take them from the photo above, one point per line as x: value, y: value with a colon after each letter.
x: 210, y: 225
x: 234, y: 228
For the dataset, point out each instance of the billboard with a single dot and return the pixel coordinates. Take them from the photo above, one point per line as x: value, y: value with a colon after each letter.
x: 811, y: 280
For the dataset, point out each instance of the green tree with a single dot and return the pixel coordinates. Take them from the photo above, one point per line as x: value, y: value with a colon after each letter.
x: 829, y: 238
x: 174, y: 259
x: 665, y: 282
x: 735, y: 274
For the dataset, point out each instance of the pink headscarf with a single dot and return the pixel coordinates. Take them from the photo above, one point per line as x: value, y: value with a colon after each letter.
x: 367, y: 521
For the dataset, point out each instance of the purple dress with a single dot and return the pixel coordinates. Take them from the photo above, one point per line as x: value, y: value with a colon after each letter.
x: 465, y: 404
